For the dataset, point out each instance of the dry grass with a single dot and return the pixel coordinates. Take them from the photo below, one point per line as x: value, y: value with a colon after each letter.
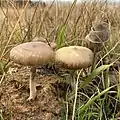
x: 17, y: 27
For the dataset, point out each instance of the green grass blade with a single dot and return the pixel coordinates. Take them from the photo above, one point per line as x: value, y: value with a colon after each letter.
x: 61, y: 37
x: 91, y: 100
x: 94, y: 74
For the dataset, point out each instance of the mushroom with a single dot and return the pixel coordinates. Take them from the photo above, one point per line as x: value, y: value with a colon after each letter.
x: 99, y: 33
x: 41, y: 39
x: 100, y: 26
x: 74, y: 57
x: 32, y: 54
x: 97, y: 37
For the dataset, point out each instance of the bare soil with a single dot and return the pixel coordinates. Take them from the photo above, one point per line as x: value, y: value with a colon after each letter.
x: 15, y: 91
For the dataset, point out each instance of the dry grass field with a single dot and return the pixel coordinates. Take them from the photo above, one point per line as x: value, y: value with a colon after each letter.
x: 98, y: 91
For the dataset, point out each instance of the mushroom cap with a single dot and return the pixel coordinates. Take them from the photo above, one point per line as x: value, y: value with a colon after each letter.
x: 98, y: 36
x: 32, y: 54
x: 99, y: 26
x: 74, y: 57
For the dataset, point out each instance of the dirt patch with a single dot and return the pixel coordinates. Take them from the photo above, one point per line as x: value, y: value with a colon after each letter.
x: 15, y: 90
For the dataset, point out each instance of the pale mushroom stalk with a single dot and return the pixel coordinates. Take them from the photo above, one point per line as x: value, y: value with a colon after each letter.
x: 32, y: 84
x: 94, y: 57
x: 73, y: 81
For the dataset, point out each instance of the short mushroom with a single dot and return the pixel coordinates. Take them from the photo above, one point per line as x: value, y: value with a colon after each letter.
x: 32, y: 54
x: 74, y: 57
x: 41, y: 39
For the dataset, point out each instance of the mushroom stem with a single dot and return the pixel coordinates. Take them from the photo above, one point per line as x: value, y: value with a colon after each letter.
x: 32, y: 84
x: 72, y: 75
x: 94, y: 57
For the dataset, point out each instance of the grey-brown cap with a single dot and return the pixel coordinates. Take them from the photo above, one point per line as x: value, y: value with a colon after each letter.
x: 98, y: 36
x: 74, y: 57
x: 100, y: 26
x: 32, y: 54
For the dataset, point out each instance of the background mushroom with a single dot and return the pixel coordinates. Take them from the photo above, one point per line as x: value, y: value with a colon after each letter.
x: 97, y: 37
x: 32, y: 54
x: 100, y: 26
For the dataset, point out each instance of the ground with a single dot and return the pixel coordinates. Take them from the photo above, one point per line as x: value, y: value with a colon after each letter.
x: 15, y: 91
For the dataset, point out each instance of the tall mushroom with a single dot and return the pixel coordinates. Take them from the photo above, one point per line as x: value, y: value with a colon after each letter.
x: 52, y: 44
x: 32, y: 54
